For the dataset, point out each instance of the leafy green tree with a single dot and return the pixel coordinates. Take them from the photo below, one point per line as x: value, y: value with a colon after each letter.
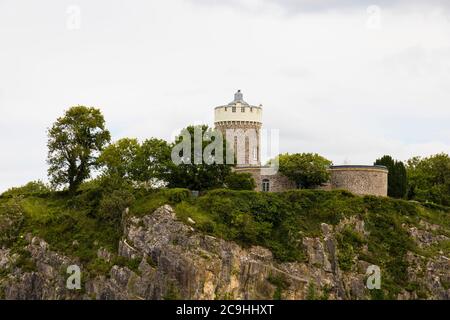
x: 397, y: 179
x: 147, y: 163
x: 119, y: 158
x: 307, y: 170
x: 240, y: 181
x: 198, y: 175
x: 74, y: 142
x: 429, y: 179
x: 153, y: 162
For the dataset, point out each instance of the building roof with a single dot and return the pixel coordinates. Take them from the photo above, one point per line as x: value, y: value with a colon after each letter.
x: 238, y: 98
x: 346, y: 166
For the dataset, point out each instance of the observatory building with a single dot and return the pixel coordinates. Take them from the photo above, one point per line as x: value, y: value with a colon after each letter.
x: 241, y: 123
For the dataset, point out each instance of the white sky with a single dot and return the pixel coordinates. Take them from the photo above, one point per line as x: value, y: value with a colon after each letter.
x: 330, y: 77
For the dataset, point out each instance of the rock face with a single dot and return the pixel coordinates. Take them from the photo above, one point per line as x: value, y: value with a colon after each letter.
x: 175, y: 261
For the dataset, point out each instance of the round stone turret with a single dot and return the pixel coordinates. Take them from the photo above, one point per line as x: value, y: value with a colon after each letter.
x: 364, y: 180
x: 246, y: 121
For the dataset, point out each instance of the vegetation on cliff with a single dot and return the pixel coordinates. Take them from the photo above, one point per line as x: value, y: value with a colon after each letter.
x: 78, y: 225
x: 87, y: 215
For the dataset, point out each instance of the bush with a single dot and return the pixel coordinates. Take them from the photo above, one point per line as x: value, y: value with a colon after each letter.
x: 113, y: 205
x: 240, y: 181
x: 176, y: 195
x: 31, y: 188
x: 307, y: 170
x: 11, y: 221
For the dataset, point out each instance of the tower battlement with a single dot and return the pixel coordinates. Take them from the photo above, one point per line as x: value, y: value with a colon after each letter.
x: 245, y: 120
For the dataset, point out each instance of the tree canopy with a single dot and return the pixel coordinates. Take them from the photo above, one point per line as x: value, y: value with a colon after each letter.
x: 127, y: 159
x: 240, y: 181
x: 429, y: 179
x: 397, y: 179
x: 74, y: 142
x: 208, y: 173
x: 305, y: 169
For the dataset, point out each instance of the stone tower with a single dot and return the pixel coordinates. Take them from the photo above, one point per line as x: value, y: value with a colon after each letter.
x: 241, y: 123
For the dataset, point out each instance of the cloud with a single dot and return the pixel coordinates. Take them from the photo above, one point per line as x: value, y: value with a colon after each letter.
x: 326, y: 81
x: 314, y: 6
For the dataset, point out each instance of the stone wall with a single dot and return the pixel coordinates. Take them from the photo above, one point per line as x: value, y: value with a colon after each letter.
x: 364, y: 180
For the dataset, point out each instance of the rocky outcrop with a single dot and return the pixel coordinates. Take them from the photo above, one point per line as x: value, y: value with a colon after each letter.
x: 176, y: 261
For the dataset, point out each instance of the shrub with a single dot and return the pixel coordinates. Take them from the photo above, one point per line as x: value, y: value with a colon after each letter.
x: 11, y: 221
x: 176, y: 195
x: 31, y: 188
x: 113, y: 205
x: 240, y: 181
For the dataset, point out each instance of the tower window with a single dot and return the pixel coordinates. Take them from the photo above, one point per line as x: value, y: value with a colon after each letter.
x: 242, y: 109
x: 265, y: 185
x: 233, y: 109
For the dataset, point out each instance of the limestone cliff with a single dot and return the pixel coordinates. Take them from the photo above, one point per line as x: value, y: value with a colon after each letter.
x: 176, y: 261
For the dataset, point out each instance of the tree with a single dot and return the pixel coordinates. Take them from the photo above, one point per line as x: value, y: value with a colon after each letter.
x: 240, y: 181
x: 193, y: 174
x: 126, y: 159
x: 429, y: 179
x: 307, y: 170
x: 74, y: 142
x: 397, y: 180
x: 152, y: 163
x: 118, y: 159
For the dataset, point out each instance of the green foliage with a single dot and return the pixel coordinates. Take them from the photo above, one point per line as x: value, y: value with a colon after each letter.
x: 172, y: 293
x: 61, y: 220
x: 119, y: 157
x: 274, y: 220
x: 397, y: 178
x: 277, y: 221
x: 31, y: 188
x: 74, y: 142
x: 176, y: 195
x: 350, y: 243
x: 280, y: 283
x: 24, y: 261
x: 312, y: 292
x: 112, y: 205
x: 307, y: 170
x: 240, y: 181
x: 153, y: 162
x: 148, y: 163
x: 198, y: 175
x: 148, y: 201
x: 11, y: 221
x: 429, y: 179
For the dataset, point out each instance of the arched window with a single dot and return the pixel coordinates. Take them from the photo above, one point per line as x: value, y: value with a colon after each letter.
x: 265, y: 185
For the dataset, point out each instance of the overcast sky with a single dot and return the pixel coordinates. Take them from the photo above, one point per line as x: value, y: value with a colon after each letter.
x: 351, y: 80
